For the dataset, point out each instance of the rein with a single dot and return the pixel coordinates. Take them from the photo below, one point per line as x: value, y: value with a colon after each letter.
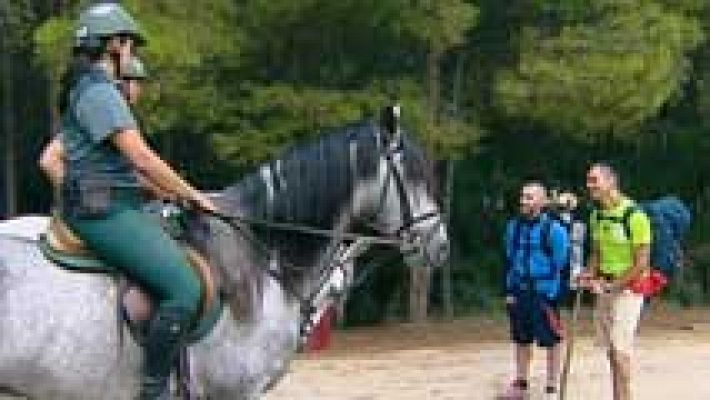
x: 235, y: 220
x: 334, y: 277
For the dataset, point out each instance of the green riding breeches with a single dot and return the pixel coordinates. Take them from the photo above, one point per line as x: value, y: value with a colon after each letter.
x: 132, y: 241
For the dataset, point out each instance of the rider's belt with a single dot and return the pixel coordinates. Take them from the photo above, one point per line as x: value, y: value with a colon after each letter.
x: 94, y: 197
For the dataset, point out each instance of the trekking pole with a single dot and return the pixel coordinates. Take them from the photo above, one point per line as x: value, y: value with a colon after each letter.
x: 579, y: 235
x: 566, y: 366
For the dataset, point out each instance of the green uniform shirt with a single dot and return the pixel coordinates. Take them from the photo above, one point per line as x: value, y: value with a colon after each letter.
x: 96, y: 111
x: 615, y: 248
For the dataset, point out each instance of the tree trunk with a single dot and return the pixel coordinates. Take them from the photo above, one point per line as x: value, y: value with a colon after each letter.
x: 446, y: 268
x: 8, y: 127
x: 433, y: 83
x: 420, y: 278
x: 448, y: 197
x: 58, y: 7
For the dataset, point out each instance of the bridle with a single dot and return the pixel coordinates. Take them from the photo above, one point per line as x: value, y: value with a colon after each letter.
x: 392, y: 154
x: 346, y: 246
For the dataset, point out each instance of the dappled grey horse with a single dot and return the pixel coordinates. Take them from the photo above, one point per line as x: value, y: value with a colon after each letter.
x: 58, y: 331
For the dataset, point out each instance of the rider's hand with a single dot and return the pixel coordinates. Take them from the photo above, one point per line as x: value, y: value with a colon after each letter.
x: 202, y: 202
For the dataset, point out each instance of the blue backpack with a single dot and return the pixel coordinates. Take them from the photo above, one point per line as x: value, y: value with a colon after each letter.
x: 670, y: 220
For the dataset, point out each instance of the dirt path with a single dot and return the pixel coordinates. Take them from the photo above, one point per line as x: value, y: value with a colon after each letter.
x: 471, y: 360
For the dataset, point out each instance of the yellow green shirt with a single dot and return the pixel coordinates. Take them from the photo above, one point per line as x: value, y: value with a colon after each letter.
x: 609, y: 234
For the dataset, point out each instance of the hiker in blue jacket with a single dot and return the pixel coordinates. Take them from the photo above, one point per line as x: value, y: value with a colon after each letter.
x: 536, y: 251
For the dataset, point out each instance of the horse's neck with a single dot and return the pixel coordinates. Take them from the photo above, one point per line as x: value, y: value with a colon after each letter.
x: 320, y: 186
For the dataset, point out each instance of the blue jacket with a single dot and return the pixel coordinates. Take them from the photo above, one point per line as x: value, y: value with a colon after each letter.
x: 533, y: 261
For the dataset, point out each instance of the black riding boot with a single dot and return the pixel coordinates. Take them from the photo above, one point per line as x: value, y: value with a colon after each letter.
x: 162, y: 345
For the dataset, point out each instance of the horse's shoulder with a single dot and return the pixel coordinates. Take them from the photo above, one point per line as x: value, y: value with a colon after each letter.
x: 26, y: 226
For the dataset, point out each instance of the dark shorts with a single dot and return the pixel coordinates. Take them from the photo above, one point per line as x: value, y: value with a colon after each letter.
x: 535, y: 319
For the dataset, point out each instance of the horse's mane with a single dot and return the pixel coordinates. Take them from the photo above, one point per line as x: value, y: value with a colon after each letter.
x: 312, y: 181
x: 310, y: 184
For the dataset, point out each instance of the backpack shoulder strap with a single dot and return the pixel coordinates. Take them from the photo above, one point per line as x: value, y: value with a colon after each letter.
x: 545, y: 234
x: 546, y: 239
x: 595, y: 216
x: 626, y: 218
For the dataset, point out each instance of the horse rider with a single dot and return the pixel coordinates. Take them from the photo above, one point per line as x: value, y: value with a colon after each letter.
x: 100, y: 196
x: 51, y: 161
x: 131, y: 79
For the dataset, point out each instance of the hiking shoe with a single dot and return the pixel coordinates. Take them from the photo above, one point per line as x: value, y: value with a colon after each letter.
x: 550, y: 393
x: 518, y: 390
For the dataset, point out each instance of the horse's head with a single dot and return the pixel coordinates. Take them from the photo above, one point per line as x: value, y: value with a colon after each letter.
x: 401, y: 200
x: 364, y: 173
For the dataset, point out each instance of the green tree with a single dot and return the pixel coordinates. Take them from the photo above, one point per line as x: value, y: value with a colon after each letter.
x: 613, y: 66
x: 381, y: 49
x: 16, y: 19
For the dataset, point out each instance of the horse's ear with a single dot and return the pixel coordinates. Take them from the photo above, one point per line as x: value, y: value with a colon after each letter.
x: 390, y: 121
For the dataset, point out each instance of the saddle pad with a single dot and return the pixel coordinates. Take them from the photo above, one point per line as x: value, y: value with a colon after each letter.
x: 88, y: 264
x: 73, y: 262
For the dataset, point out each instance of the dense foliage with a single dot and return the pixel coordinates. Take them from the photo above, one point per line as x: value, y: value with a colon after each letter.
x: 506, y: 90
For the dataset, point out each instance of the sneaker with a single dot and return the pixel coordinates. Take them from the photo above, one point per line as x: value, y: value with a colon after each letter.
x: 550, y: 393
x: 518, y: 390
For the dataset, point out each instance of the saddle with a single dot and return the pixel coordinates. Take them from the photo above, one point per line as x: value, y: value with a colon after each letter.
x: 65, y: 249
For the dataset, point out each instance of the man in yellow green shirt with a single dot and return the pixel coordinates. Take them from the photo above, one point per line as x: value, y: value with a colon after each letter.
x: 620, y: 255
